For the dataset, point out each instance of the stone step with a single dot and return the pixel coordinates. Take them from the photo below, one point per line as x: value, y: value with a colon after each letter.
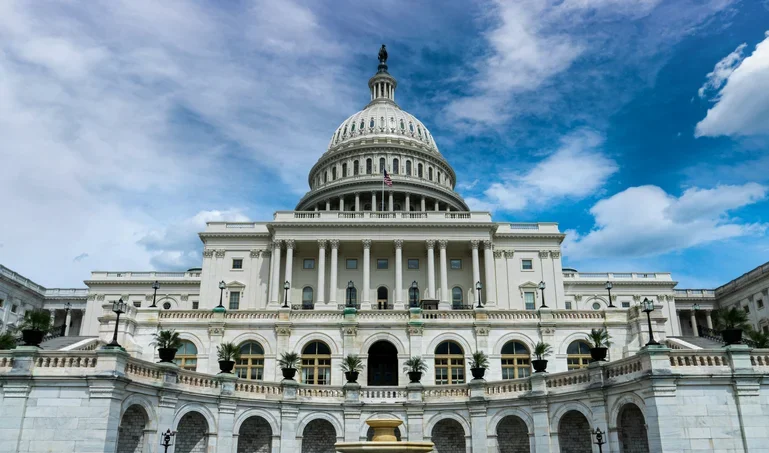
x: 704, y: 343
x: 57, y: 343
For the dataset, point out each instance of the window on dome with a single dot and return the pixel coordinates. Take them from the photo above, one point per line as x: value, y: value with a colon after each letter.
x: 396, y: 166
x: 578, y: 355
x: 316, y: 364
x: 449, y: 364
x: 419, y: 170
x: 403, y: 126
x: 430, y: 173
x: 382, y: 122
x: 325, y: 177
x: 337, y: 134
x: 352, y: 127
x: 369, y: 164
x: 381, y: 165
x: 411, y: 127
x: 187, y: 356
x: 408, y: 167
x: 344, y: 170
x: 515, y: 360
x: 355, y: 168
x: 250, y: 365
x: 371, y: 123
x: 362, y: 124
x: 419, y: 131
x: 345, y: 131
x: 333, y: 173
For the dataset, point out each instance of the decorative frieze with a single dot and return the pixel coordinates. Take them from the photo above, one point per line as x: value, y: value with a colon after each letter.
x: 100, y: 297
x: 482, y: 331
x: 215, y: 331
x: 148, y: 297
x: 350, y: 331
x: 185, y: 297
x: 415, y: 331
x: 283, y: 330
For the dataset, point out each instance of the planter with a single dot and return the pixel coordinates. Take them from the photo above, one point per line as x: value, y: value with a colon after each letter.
x: 598, y: 354
x: 351, y: 376
x: 32, y: 337
x: 415, y: 376
x: 166, y: 354
x: 732, y: 336
x: 289, y: 373
x: 478, y: 372
x: 226, y: 366
x: 540, y: 365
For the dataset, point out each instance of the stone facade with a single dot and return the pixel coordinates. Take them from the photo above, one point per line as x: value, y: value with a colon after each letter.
x: 131, y: 434
x: 632, y: 430
x: 513, y: 435
x: 448, y: 437
x: 255, y: 436
x: 192, y: 435
x: 319, y: 436
x: 574, y: 433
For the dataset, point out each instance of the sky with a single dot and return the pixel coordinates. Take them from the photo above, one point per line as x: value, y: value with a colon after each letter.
x: 640, y: 126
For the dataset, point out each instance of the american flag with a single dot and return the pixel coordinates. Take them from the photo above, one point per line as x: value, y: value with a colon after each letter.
x: 387, y: 179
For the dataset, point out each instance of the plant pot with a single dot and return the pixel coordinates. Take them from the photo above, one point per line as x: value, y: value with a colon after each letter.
x: 732, y: 336
x: 351, y: 376
x: 478, y: 372
x: 226, y: 366
x: 540, y: 365
x: 289, y: 373
x: 32, y: 337
x: 166, y: 354
x: 598, y: 354
x: 415, y: 376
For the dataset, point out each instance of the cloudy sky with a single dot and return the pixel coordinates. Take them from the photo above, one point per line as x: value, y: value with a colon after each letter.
x: 641, y: 126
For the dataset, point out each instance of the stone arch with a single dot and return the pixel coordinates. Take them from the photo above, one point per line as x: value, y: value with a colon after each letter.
x: 317, y: 336
x: 159, y: 302
x: 588, y: 304
x: 132, y: 430
x: 569, y: 339
x: 192, y: 432
x: 515, y: 411
x: 319, y: 436
x: 251, y: 336
x: 513, y: 336
x: 574, y: 433
x: 448, y: 437
x: 382, y: 336
x: 195, y: 407
x: 430, y: 425
x: 513, y: 435
x: 449, y: 336
x: 627, y: 398
x: 255, y: 435
x: 149, y: 408
x: 194, y: 339
x: 274, y: 425
x: 363, y: 431
x: 631, y: 429
x: 570, y: 406
x: 338, y: 427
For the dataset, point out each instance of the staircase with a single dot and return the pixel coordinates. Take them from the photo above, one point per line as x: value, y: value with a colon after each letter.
x: 57, y: 343
x: 702, y: 342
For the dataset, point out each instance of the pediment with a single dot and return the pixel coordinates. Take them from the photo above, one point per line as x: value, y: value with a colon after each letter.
x: 528, y: 285
x: 235, y: 284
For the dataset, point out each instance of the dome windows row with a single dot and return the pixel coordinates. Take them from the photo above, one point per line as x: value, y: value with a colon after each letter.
x: 358, y: 128
x: 397, y: 166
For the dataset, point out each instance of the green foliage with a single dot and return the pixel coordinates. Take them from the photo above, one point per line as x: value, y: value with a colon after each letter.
x: 289, y: 360
x: 37, y: 319
x: 167, y: 339
x: 479, y: 360
x: 760, y: 340
x: 542, y: 349
x: 600, y: 338
x: 228, y: 352
x: 415, y: 365
x: 352, y: 364
x: 730, y: 318
x: 7, y: 341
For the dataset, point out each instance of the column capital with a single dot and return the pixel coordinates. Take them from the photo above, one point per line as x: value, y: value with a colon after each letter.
x: 509, y: 253
x: 442, y: 244
x: 543, y: 254
x: 430, y: 244
x: 290, y: 244
x: 334, y: 243
x: 277, y: 244
x: 398, y: 243
x: 266, y: 253
x: 498, y: 253
x: 322, y: 243
x: 208, y: 253
x: 555, y: 255
x: 366, y: 243
x: 220, y: 253
x: 474, y: 244
x: 255, y: 253
x: 488, y: 245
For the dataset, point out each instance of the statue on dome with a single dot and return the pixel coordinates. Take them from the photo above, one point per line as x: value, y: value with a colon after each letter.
x: 383, y: 54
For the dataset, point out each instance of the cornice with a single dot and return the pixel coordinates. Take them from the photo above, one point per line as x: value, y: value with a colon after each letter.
x: 621, y: 283
x: 207, y: 235
x: 147, y: 283
x: 491, y: 226
x: 530, y: 235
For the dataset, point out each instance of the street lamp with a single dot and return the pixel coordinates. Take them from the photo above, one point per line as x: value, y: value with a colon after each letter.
x: 598, y: 439
x: 118, y: 308
x: 351, y: 301
x: 542, y: 288
x: 222, y: 285
x: 156, y: 287
x: 478, y: 288
x: 286, y: 287
x: 648, y: 309
x: 609, y: 286
x: 414, y: 294
x: 167, y: 439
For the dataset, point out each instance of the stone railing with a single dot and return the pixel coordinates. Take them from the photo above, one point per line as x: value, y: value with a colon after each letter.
x: 561, y: 381
x: 698, y: 358
x: 237, y: 314
x: 513, y: 315
x: 194, y: 379
x: 383, y: 394
x: 507, y: 388
x: 319, y: 391
x: 6, y: 361
x: 577, y: 314
x: 622, y: 367
x: 256, y: 388
x: 444, y: 392
x: 457, y: 315
x: 65, y: 360
x: 383, y: 315
x: 141, y: 369
x: 185, y: 314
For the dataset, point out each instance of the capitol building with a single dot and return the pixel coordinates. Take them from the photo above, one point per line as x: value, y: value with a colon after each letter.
x: 383, y: 259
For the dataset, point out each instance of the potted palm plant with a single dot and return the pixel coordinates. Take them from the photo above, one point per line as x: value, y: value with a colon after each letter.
x: 601, y: 343
x: 168, y: 342
x: 289, y: 364
x: 731, y: 322
x: 352, y: 365
x: 759, y: 339
x: 7, y: 341
x: 415, y: 366
x: 541, y: 349
x: 478, y: 364
x: 227, y: 353
x: 34, y: 326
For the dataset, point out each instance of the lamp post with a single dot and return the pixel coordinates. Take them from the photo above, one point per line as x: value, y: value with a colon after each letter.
x: 542, y: 288
x: 609, y: 286
x: 286, y: 287
x: 598, y: 439
x: 67, y: 306
x: 350, y: 288
x: 648, y: 309
x: 222, y: 285
x: 118, y: 308
x: 156, y: 287
x: 167, y: 439
x: 414, y: 294
x: 478, y: 288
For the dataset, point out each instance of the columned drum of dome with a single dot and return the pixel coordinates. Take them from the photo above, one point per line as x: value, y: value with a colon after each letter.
x: 382, y: 137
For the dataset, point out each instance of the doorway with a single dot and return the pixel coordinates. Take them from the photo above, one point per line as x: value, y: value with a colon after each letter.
x: 382, y: 364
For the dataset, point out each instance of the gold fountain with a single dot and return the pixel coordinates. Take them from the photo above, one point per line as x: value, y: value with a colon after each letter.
x: 384, y: 440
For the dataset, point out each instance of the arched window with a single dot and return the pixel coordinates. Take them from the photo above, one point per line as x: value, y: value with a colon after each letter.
x: 338, y: 133
x: 578, y: 355
x: 355, y: 168
x: 396, y: 166
x: 316, y: 364
x: 408, y: 167
x: 515, y: 360
x: 449, y: 363
x: 344, y: 133
x: 403, y: 126
x: 344, y: 170
x: 430, y: 173
x: 187, y: 356
x: 307, y: 301
x: 352, y: 127
x: 411, y: 127
x: 419, y: 170
x: 439, y: 177
x: 362, y: 124
x: 456, y: 297
x: 251, y: 362
x: 325, y: 177
x: 381, y: 165
x: 371, y: 123
x: 419, y: 130
x: 333, y: 173
x: 382, y: 122
x: 369, y: 164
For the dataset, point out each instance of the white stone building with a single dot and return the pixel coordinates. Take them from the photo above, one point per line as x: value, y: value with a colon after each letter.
x: 406, y: 260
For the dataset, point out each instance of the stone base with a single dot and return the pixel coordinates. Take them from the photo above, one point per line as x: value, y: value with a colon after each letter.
x: 384, y: 447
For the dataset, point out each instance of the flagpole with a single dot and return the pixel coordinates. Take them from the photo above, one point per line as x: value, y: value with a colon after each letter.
x: 383, y: 178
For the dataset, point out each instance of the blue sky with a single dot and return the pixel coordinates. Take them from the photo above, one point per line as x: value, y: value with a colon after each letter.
x: 641, y: 126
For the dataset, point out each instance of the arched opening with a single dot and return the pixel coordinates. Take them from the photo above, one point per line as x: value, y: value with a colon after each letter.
x: 382, y: 297
x: 187, y: 356
x: 513, y: 435
x: 396, y: 166
x: 130, y: 436
x: 255, y: 436
x: 631, y: 428
x: 574, y: 433
x: 382, y: 364
x: 408, y: 167
x: 333, y: 173
x: 316, y: 364
x: 420, y: 171
x: 355, y: 168
x: 368, y: 166
x: 307, y: 298
x: 456, y: 298
x: 381, y: 165
x: 448, y: 436
x: 344, y: 170
x: 516, y: 360
x: 370, y: 434
x: 319, y: 436
x: 192, y: 434
x: 578, y: 355
x: 449, y: 363
x: 250, y: 365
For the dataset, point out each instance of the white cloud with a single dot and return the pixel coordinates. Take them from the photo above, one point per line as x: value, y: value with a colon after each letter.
x: 742, y: 104
x: 576, y: 170
x: 647, y: 221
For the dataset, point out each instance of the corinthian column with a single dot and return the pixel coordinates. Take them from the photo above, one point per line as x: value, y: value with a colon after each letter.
x: 398, y: 274
x: 491, y: 281
x: 332, y: 279
x: 476, y: 268
x: 445, y: 290
x: 275, y: 284
x: 289, y: 266
x: 366, y: 274
x: 321, y: 271
x: 431, y: 269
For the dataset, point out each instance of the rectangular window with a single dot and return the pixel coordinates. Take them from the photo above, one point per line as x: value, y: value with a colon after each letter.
x: 137, y: 303
x: 352, y: 263
x: 381, y: 263
x: 413, y: 263
x: 528, y: 300
x: 455, y: 264
x: 747, y: 309
x: 2, y: 303
x: 14, y: 308
x: 759, y: 304
x: 195, y: 304
x: 625, y: 304
x: 308, y: 263
x: 237, y: 263
x: 527, y: 265
x: 234, y: 300
x: 568, y: 305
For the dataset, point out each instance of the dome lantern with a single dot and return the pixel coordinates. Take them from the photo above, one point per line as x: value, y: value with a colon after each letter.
x: 382, y: 85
